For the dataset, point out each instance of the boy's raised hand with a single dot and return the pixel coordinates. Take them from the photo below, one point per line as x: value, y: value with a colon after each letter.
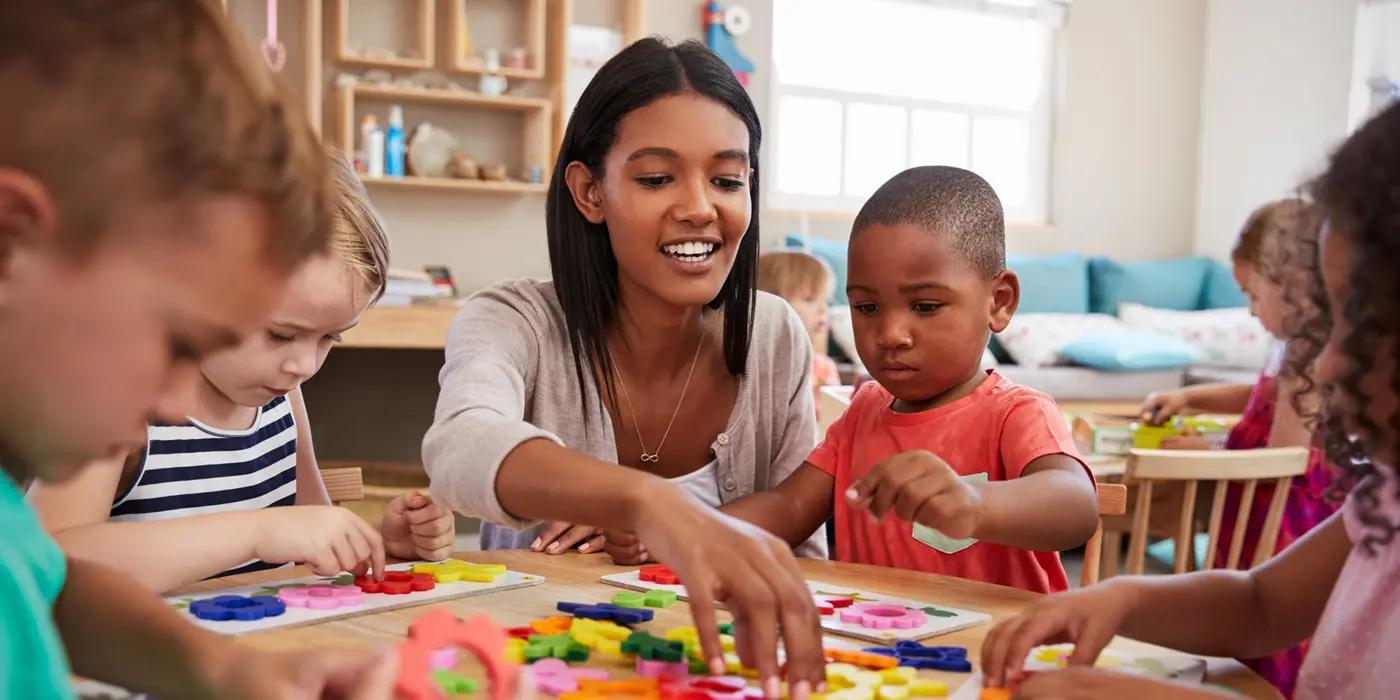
x: 1087, y: 618
x: 919, y: 487
x: 416, y: 527
x: 328, y: 539
x: 722, y: 559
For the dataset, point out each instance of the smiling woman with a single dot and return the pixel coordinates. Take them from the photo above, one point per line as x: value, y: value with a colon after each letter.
x: 649, y: 382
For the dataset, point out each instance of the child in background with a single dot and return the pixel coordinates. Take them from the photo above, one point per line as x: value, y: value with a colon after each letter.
x: 1275, y: 254
x: 1336, y: 584
x: 981, y: 474
x: 201, y: 499
x: 156, y: 190
x: 805, y: 282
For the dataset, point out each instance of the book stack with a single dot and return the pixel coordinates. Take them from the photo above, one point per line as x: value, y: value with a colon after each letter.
x: 407, y: 287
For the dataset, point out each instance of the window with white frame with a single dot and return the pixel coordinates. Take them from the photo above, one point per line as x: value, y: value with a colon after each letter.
x: 862, y: 90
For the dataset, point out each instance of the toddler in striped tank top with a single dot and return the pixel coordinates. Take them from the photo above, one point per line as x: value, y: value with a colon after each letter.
x: 236, y: 487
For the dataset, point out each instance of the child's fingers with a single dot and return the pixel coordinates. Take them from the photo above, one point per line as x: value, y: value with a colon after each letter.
x: 1034, y: 630
x: 1090, y: 642
x: 592, y: 545
x: 358, y: 674
x: 702, y: 611
x: 433, y: 544
x: 376, y: 546
x: 432, y: 527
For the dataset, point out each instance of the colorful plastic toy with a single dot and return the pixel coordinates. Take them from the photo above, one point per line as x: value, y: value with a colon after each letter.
x: 882, y: 617
x: 236, y: 607
x: 321, y: 597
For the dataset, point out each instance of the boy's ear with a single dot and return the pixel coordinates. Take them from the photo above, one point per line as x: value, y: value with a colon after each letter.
x: 586, y: 190
x: 1006, y: 296
x: 26, y: 216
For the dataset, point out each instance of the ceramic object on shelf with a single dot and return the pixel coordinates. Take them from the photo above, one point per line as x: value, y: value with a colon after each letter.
x: 430, y: 151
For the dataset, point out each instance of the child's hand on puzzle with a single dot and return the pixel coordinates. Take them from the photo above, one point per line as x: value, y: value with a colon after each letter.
x: 920, y: 488
x: 1097, y: 684
x: 1088, y: 618
x: 559, y: 537
x: 625, y: 548
x: 415, y: 527
x: 328, y: 539
x: 356, y: 674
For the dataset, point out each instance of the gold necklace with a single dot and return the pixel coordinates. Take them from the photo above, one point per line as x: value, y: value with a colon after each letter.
x: 654, y: 457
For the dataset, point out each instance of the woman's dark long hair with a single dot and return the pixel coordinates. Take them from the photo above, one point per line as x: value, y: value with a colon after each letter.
x: 580, y: 253
x: 1360, y: 193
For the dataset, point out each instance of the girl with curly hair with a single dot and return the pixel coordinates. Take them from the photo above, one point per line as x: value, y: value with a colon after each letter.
x: 1335, y: 584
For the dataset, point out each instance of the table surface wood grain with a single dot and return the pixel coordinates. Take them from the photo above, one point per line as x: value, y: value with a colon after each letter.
x: 575, y: 577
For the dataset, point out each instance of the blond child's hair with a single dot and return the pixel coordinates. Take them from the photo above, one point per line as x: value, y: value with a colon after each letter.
x: 793, y: 273
x: 115, y: 106
x: 357, y: 232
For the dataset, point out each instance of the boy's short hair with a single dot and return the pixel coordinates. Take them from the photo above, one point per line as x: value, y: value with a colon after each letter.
x: 952, y: 201
x: 357, y: 232
x: 789, y: 273
x: 118, y: 105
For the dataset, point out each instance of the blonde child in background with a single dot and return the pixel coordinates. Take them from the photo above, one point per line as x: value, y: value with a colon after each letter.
x: 1274, y: 256
x: 156, y: 189
x: 205, y: 497
x: 960, y: 471
x: 1335, y: 585
x: 805, y: 282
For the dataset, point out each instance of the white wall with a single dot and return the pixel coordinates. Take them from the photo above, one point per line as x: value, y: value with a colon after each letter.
x: 1274, y: 102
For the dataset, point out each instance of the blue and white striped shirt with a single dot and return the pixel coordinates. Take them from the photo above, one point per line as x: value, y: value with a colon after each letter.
x: 193, y: 469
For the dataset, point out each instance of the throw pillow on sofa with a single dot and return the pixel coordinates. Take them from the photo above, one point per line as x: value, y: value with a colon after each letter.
x: 1165, y: 284
x: 1130, y: 350
x: 1228, y: 337
x: 1034, y: 340
x: 1052, y: 283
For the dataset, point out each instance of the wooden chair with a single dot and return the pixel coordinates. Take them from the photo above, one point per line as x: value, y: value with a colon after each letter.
x: 1113, y: 500
x: 344, y: 485
x: 1220, y: 467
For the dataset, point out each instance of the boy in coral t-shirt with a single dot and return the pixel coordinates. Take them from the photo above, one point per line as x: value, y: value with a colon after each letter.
x: 959, y: 471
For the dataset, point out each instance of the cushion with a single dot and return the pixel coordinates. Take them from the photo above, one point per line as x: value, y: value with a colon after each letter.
x: 1130, y: 350
x: 1228, y: 337
x: 1034, y: 340
x: 1052, y: 283
x: 834, y: 253
x: 1166, y: 284
x: 1222, y: 291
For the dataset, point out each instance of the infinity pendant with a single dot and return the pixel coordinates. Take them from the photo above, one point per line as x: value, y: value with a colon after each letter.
x: 651, y: 458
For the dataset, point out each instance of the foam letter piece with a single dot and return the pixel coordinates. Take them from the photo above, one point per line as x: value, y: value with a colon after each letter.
x: 321, y: 597
x: 554, y: 676
x: 457, y: 570
x: 660, y: 599
x: 630, y: 689
x: 659, y: 574
x: 236, y: 607
x: 882, y: 617
x: 396, y: 583
x: 591, y: 633
x: 936, y: 658
x: 558, y: 646
x: 453, y: 683
x: 663, y: 669
x: 653, y: 649
x: 438, y: 629
x: 606, y: 611
x: 630, y: 600
x: 557, y: 624
x: 864, y: 659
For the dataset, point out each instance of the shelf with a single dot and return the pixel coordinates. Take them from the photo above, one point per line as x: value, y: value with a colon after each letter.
x: 450, y: 97
x: 402, y: 328
x: 534, y: 45
x: 447, y: 183
x: 508, y: 73
x: 386, y: 63
x: 424, y: 28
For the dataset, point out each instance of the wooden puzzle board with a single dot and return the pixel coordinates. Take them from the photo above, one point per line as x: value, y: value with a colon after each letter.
x: 941, y: 619
x: 373, y: 602
x: 1186, y: 669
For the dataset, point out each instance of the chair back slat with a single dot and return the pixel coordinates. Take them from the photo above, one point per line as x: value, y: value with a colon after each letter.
x: 1241, y: 524
x: 1217, y: 513
x: 1113, y: 500
x: 1268, y: 535
x: 1184, y: 531
x: 344, y: 485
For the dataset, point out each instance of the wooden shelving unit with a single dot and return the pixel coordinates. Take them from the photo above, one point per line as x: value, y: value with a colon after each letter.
x: 535, y: 49
x: 427, y: 39
x: 449, y: 183
x: 402, y: 328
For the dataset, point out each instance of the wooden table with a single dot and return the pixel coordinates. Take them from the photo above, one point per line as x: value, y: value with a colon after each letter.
x: 574, y: 577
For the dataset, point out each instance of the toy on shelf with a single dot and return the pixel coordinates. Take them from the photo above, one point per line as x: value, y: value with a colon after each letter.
x: 721, y: 25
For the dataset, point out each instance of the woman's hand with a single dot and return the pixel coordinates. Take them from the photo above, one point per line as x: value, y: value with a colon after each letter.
x: 722, y: 559
x: 415, y: 527
x: 328, y: 539
x: 625, y: 548
x: 559, y: 537
x: 1087, y: 618
x: 1096, y: 684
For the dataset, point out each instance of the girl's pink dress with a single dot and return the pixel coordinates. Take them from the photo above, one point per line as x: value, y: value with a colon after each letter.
x: 1306, y: 507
